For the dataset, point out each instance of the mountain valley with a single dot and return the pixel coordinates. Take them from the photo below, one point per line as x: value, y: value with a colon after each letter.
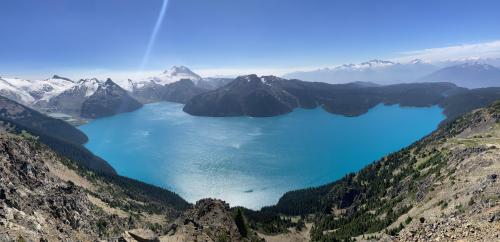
x: 441, y: 187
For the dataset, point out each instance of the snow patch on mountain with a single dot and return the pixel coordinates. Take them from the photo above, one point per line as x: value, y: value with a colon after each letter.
x: 89, y: 86
x: 376, y: 71
x: 176, y: 73
x: 31, y: 91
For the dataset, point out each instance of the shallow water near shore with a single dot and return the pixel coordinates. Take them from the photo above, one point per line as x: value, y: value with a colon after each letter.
x: 251, y: 161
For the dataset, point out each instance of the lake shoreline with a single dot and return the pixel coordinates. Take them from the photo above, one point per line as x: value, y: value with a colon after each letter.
x: 232, y: 157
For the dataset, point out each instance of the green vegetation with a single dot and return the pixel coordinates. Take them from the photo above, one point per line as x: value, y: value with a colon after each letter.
x: 241, y: 223
x: 124, y: 190
x: 371, y: 200
x: 442, y: 204
x: 374, y: 198
x: 28, y: 136
x: 72, y: 150
x: 102, y: 227
x: 300, y: 225
x: 460, y: 208
x: 467, y: 100
x: 471, y: 202
x: 408, y: 220
x: 57, y: 134
x: 267, y: 222
x: 422, y: 220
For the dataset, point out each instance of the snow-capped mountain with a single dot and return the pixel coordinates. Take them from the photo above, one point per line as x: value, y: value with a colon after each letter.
x: 175, y: 73
x: 86, y: 87
x: 178, y: 84
x: 372, y: 64
x: 12, y: 88
x: 51, y: 87
x: 90, y: 98
x: 71, y: 100
x: 376, y: 71
x: 108, y: 99
x: 470, y: 75
x: 490, y: 61
x: 62, y: 95
x: 29, y: 92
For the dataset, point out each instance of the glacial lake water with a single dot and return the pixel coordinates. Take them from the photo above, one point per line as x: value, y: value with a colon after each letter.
x: 251, y: 161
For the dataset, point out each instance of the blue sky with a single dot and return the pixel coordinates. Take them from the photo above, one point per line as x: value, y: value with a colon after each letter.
x: 84, y: 36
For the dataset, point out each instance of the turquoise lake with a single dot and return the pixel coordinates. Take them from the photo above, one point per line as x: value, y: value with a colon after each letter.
x: 251, y: 161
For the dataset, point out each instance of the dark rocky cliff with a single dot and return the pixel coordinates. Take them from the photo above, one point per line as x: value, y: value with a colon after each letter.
x: 109, y: 99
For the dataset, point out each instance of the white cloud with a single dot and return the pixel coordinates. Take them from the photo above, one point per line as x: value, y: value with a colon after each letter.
x: 457, y: 52
x: 234, y: 72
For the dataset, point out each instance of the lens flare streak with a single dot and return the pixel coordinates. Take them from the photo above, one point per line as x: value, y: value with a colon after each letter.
x: 152, y: 39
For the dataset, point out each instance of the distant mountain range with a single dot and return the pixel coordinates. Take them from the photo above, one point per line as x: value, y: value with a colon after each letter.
x: 29, y: 92
x: 468, y: 73
x: 93, y: 98
x: 446, y: 184
x: 246, y: 95
x: 178, y: 84
x: 270, y: 96
x: 377, y: 71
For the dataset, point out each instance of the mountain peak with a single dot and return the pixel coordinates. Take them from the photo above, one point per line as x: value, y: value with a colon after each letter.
x: 61, y: 78
x: 380, y: 61
x: 374, y: 63
x: 109, y: 82
x: 89, y: 80
x: 377, y: 62
x: 175, y: 73
x: 248, y: 78
x: 417, y: 61
x: 476, y: 65
x: 181, y: 71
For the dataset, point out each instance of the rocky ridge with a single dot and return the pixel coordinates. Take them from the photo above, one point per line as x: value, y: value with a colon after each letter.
x: 37, y: 205
x: 108, y: 99
x: 271, y: 96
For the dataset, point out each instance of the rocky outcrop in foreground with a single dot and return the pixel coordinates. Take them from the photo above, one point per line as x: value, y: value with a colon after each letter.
x: 209, y: 220
x: 36, y: 205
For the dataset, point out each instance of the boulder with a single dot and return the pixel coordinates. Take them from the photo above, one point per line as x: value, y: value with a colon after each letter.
x: 143, y: 235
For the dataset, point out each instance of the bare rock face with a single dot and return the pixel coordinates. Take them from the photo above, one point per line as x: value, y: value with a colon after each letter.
x: 35, y: 205
x: 109, y: 99
x: 139, y: 235
x: 209, y: 220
